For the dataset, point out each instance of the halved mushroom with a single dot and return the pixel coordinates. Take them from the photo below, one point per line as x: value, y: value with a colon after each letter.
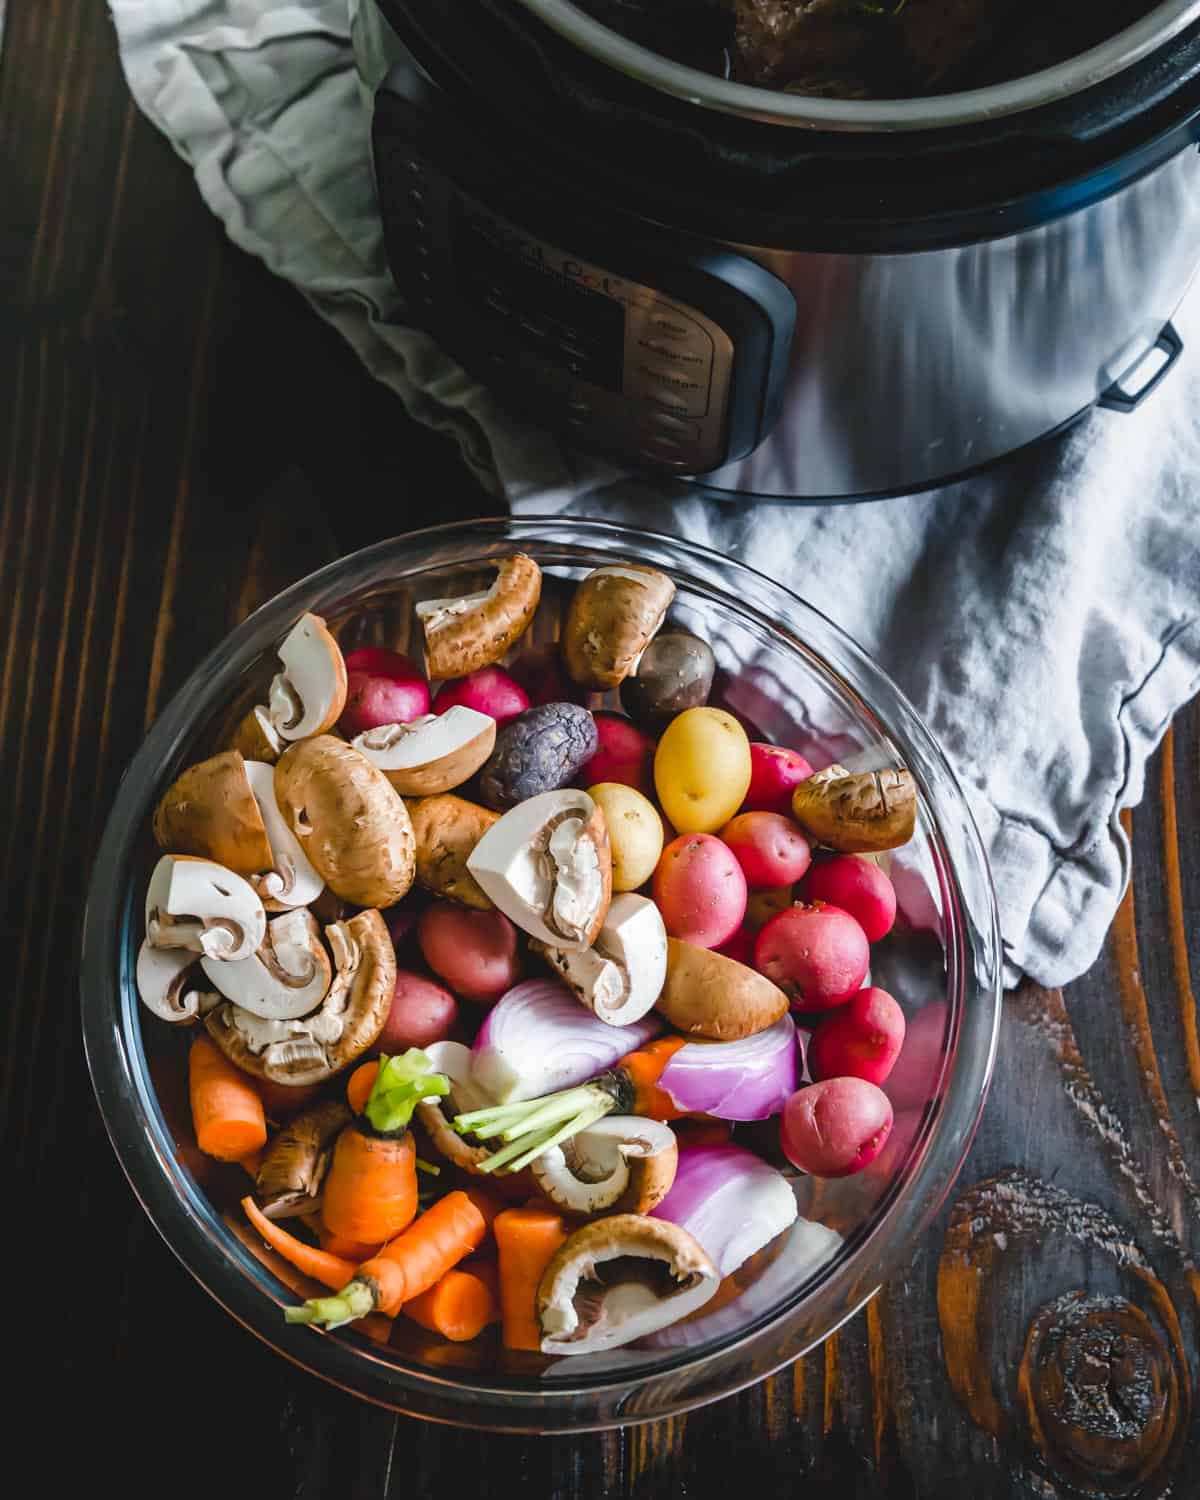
x: 446, y: 829
x: 288, y: 977
x: 166, y: 983
x: 288, y: 878
x: 857, y: 814
x: 203, y: 907
x: 618, y: 1278
x: 350, y: 822
x: 432, y: 754
x: 308, y: 696
x: 707, y: 994
x: 462, y: 635
x: 293, y: 1167
x: 614, y: 615
x: 621, y: 976
x: 547, y: 865
x: 622, y: 1164
x: 210, y: 811
x: 256, y: 737
x: 454, y: 1061
x: 315, y: 1047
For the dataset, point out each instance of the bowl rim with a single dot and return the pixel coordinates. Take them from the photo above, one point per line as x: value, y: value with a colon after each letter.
x: 179, y: 1212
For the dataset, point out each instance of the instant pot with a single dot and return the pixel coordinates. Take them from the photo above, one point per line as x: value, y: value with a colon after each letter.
x: 776, y: 295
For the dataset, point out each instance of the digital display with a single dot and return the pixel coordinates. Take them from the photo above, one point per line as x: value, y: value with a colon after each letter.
x: 505, y: 276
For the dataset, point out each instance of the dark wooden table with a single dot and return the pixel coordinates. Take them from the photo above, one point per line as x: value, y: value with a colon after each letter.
x: 179, y: 437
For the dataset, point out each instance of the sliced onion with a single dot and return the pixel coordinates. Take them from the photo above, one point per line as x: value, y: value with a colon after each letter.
x: 730, y: 1201
x: 454, y: 1060
x: 747, y: 1080
x: 538, y: 1039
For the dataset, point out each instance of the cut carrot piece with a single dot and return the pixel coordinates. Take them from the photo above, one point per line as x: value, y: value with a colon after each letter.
x: 526, y: 1239
x: 227, y: 1113
x: 459, y: 1306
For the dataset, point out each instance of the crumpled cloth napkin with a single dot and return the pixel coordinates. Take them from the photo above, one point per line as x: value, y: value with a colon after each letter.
x: 1045, y: 619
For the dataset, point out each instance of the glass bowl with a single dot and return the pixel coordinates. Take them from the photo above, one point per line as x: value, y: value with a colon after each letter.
x: 794, y: 678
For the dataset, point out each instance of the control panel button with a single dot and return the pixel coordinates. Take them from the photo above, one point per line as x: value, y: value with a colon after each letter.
x: 667, y: 401
x: 668, y: 423
x: 670, y: 324
x: 678, y: 354
x: 657, y: 381
x: 672, y: 460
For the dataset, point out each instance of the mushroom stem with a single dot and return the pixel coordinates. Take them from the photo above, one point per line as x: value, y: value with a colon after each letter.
x: 533, y: 1126
x: 355, y: 1300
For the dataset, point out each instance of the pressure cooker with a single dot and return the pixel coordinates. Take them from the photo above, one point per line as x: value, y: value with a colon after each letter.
x: 769, y: 294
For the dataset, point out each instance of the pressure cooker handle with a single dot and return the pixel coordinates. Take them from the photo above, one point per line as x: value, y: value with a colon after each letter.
x: 1117, y: 398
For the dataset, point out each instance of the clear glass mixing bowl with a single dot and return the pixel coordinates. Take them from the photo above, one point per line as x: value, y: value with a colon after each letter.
x: 796, y: 679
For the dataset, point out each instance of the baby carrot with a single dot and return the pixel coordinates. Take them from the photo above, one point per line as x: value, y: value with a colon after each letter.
x: 459, y: 1306
x: 362, y: 1081
x: 227, y: 1113
x: 370, y: 1190
x: 330, y: 1270
x: 526, y: 1239
x: 644, y: 1068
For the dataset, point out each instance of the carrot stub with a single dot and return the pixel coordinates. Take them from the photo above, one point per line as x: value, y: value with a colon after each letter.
x: 526, y: 1239
x: 459, y: 1306
x: 227, y: 1113
x: 370, y: 1190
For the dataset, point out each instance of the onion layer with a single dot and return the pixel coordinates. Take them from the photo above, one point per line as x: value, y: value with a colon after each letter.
x: 747, y: 1080
x: 730, y: 1201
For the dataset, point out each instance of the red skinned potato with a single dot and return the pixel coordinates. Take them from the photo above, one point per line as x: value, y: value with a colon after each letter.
x: 740, y: 947
x: 774, y: 773
x: 861, y: 1039
x: 818, y: 955
x: 382, y: 687
x: 700, y: 890
x: 489, y: 691
x: 770, y: 848
x: 473, y: 952
x: 835, y: 1128
x: 858, y: 886
x: 423, y: 1012
x: 541, y: 674
x: 914, y: 1076
x: 625, y: 754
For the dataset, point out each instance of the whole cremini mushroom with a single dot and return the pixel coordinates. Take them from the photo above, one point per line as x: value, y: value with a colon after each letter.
x: 350, y: 822
x: 308, y: 696
x: 203, y: 907
x: 615, y: 612
x: 314, y: 1047
x: 293, y: 1166
x: 622, y: 1164
x: 446, y: 830
x: 617, y: 1279
x: 288, y: 977
x: 210, y: 811
x: 464, y: 634
x: 709, y: 995
x: 857, y: 814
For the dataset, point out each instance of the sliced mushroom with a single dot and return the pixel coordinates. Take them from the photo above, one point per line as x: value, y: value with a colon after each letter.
x: 547, y: 865
x: 618, y: 1278
x: 462, y: 635
x: 622, y: 1164
x: 454, y: 1061
x: 166, y: 983
x: 308, y: 696
x: 201, y: 906
x: 614, y: 615
x: 288, y: 878
x: 317, y: 1046
x: 210, y: 811
x: 294, y: 1165
x: 288, y: 977
x: 432, y: 754
x: 710, y: 995
x: 857, y: 814
x: 256, y: 737
x: 350, y: 822
x: 621, y: 976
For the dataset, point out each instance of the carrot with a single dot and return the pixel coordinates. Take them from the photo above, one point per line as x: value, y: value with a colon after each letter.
x: 370, y: 1190
x: 486, y: 1269
x: 355, y: 1251
x: 526, y: 1239
x: 407, y: 1266
x: 362, y: 1081
x: 330, y: 1270
x: 643, y: 1069
x: 459, y: 1306
x: 485, y: 1203
x: 227, y: 1113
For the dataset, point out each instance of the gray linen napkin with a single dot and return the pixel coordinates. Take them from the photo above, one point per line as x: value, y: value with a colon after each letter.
x: 1045, y: 619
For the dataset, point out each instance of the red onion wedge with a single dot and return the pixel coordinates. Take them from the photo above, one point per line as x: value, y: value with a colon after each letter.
x: 747, y: 1080
x: 730, y: 1201
x: 538, y: 1039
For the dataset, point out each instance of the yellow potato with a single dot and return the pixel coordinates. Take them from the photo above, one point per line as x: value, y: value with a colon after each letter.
x: 702, y: 769
x: 635, y: 833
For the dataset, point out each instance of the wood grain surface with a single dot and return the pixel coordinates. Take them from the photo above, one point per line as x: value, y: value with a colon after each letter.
x: 179, y: 437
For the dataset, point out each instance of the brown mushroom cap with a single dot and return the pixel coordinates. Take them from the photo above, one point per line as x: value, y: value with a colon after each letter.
x: 446, y: 829
x: 857, y: 814
x: 293, y: 1166
x: 210, y: 811
x: 621, y: 1164
x: 256, y: 737
x: 614, y: 614
x: 462, y: 635
x: 709, y: 995
x: 351, y: 824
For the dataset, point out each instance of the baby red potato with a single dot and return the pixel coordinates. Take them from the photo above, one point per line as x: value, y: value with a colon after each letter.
x: 817, y: 955
x: 858, y: 886
x: 625, y: 755
x: 423, y: 1012
x: 770, y: 848
x: 774, y: 772
x: 862, y: 1039
x: 473, y: 952
x: 835, y: 1128
x: 382, y: 687
x: 489, y: 691
x: 700, y: 890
